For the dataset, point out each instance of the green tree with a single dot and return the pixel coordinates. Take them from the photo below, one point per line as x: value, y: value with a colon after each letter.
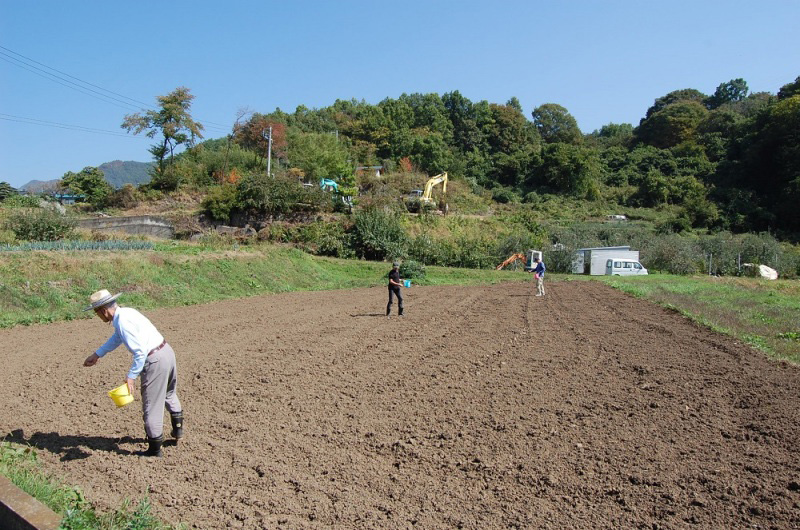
x: 395, y: 114
x: 508, y: 130
x: 514, y: 104
x: 429, y: 111
x: 790, y: 89
x: 6, y: 190
x: 430, y: 153
x: 176, y: 127
x: 654, y: 189
x: 514, y: 144
x: 570, y: 169
x: 700, y: 211
x: 90, y: 182
x: 220, y: 201
x: 676, y: 96
x: 646, y: 157
x: 613, y: 134
x: 319, y: 155
x: 733, y: 90
x: 615, y: 160
x: 750, y: 106
x: 556, y: 125
x: 672, y: 125
x: 770, y: 161
x: 464, y: 117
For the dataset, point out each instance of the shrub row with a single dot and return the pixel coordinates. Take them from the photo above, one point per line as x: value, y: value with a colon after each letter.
x: 382, y: 234
x: 719, y: 253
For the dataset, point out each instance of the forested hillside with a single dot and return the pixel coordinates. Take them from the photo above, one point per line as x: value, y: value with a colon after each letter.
x: 723, y: 161
x: 710, y: 181
x: 731, y: 159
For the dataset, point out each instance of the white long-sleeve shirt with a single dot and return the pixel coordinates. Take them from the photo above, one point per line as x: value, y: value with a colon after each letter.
x: 138, y: 334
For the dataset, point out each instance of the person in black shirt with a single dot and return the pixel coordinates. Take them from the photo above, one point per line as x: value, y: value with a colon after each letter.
x: 395, y: 282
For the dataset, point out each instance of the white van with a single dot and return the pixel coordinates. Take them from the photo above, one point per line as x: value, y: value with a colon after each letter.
x: 624, y: 267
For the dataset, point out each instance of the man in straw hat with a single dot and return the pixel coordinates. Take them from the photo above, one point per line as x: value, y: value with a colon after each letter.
x: 153, y: 359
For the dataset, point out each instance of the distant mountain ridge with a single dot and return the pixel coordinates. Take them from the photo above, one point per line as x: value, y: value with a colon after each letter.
x: 117, y: 173
x: 39, y: 186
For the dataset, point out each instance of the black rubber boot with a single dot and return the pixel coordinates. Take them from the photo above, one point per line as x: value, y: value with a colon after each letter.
x: 177, y: 425
x: 154, y: 447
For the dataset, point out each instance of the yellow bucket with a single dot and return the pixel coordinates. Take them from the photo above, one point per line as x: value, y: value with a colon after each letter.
x: 120, y: 395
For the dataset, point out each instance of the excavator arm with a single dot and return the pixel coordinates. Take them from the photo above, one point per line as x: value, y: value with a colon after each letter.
x: 328, y: 185
x: 433, y: 181
x: 511, y: 259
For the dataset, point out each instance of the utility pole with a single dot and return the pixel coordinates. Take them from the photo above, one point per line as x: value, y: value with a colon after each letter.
x: 268, y: 137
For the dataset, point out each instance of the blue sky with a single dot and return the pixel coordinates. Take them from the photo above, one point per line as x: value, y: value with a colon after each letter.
x: 605, y: 61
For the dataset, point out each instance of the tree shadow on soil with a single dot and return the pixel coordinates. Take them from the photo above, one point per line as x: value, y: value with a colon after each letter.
x: 73, y: 447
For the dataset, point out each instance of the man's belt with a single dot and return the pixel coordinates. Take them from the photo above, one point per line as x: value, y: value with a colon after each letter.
x: 154, y: 350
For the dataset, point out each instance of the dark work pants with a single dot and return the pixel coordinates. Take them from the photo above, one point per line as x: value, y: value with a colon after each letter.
x: 395, y: 290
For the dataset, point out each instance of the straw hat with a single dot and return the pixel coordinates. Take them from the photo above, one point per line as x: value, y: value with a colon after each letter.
x: 100, y: 298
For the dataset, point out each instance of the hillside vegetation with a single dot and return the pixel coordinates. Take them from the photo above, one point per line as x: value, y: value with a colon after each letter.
x: 706, y: 181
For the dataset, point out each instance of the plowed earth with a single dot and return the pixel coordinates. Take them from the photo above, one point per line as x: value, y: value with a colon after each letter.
x: 484, y: 407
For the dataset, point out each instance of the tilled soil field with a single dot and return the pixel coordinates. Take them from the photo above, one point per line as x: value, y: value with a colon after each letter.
x: 483, y: 407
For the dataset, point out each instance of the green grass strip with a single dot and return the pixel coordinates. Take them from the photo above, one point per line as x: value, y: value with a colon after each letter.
x: 764, y: 314
x: 19, y: 463
x: 77, y: 245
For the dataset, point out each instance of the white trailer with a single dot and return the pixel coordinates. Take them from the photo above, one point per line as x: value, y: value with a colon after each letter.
x: 592, y: 261
x: 529, y: 266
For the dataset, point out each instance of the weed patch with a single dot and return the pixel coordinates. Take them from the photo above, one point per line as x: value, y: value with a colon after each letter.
x: 760, y: 313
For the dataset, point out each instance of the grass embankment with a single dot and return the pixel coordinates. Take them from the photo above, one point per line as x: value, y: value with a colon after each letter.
x: 38, y: 287
x: 764, y: 314
x: 20, y: 465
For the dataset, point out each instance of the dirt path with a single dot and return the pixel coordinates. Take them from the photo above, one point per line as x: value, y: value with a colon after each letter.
x: 482, y: 408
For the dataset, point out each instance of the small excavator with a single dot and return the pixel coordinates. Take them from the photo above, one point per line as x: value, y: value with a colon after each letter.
x: 332, y: 186
x: 526, y: 259
x: 328, y: 185
x: 426, y: 195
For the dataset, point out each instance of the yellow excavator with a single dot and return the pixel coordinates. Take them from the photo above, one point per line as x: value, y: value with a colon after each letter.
x: 427, y: 198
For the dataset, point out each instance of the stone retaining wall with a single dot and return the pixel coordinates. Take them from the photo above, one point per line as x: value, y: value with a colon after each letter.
x: 138, y: 225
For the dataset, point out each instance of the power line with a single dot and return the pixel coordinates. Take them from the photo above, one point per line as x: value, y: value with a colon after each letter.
x: 84, y: 89
x: 77, y: 79
x: 68, y: 126
x: 57, y: 125
x: 62, y: 82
